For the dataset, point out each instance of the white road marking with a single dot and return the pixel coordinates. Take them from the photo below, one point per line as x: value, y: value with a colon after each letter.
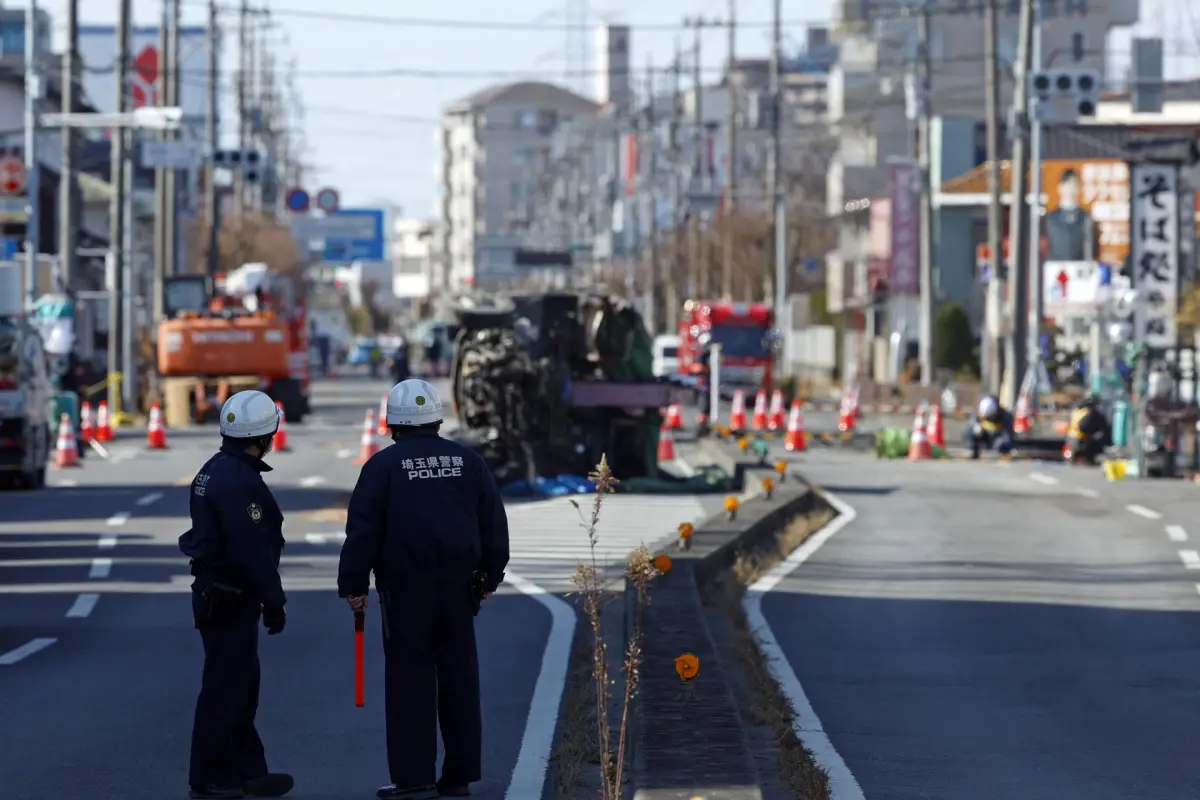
x: 1190, y: 559
x: 315, y: 480
x: 1091, y: 494
x: 25, y: 651
x: 83, y: 605
x: 118, y: 519
x: 107, y: 542
x: 344, y: 453
x: 1142, y: 511
x: 529, y: 773
x: 1047, y: 480
x: 66, y: 484
x: 149, y: 499
x: 1176, y: 533
x: 101, y: 567
x: 842, y: 783
x: 324, y: 538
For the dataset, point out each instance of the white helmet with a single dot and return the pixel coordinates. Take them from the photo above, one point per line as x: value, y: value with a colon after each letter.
x: 249, y: 415
x: 413, y: 402
x: 988, y: 406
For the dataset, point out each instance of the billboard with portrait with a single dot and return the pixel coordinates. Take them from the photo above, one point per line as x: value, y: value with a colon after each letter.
x: 1087, y: 211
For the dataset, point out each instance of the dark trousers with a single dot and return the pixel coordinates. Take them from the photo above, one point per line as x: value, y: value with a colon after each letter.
x: 431, y: 678
x: 226, y: 749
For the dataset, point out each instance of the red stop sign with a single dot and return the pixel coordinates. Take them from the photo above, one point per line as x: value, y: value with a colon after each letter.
x: 12, y: 175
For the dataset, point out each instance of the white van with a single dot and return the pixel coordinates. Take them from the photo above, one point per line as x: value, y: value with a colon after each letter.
x: 666, y: 355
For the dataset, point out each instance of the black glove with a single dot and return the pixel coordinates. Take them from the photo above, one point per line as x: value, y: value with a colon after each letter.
x: 274, y: 620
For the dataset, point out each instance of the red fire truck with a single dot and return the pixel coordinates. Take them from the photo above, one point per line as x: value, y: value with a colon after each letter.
x: 746, y: 334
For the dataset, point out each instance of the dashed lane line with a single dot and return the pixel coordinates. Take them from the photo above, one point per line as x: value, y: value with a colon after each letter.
x: 1190, y: 559
x: 344, y: 453
x: 149, y: 499
x: 1176, y: 533
x: 118, y: 519
x: 101, y: 568
x: 83, y: 606
x: 314, y: 480
x: 23, y: 652
x: 107, y: 542
x: 1046, y: 480
x: 1142, y: 511
x: 1091, y: 494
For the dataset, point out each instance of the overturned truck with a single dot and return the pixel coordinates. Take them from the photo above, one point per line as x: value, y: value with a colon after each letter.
x: 545, y: 383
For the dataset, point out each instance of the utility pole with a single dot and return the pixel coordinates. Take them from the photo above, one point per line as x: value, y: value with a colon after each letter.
x: 243, y: 106
x: 1035, y: 205
x: 68, y: 182
x: 1017, y: 353
x: 174, y: 176
x: 213, y: 136
x: 924, y: 157
x: 116, y: 238
x: 994, y: 329
x: 33, y: 92
x: 677, y: 177
x: 649, y: 187
x: 697, y: 282
x: 778, y: 195
x: 162, y: 209
x: 731, y: 159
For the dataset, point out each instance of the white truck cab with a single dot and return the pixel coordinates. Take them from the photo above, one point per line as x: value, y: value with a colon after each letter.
x: 666, y: 355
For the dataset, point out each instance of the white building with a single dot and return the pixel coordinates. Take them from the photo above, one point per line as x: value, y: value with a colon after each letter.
x: 417, y: 266
x: 492, y: 142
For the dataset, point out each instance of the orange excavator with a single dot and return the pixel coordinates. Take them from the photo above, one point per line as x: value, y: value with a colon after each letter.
x: 247, y: 329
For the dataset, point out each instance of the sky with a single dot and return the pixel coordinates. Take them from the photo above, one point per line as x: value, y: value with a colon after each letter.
x: 373, y: 136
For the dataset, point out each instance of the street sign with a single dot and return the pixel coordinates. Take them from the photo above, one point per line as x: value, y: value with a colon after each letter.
x: 328, y: 200
x: 297, y: 200
x: 12, y: 175
x: 351, y: 234
x: 1070, y: 287
x: 171, y: 154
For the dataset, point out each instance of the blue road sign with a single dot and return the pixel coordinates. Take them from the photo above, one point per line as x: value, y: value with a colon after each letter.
x: 297, y: 200
x: 9, y: 247
x: 355, y: 234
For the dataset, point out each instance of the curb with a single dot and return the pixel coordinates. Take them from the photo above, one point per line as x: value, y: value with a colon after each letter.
x: 687, y: 740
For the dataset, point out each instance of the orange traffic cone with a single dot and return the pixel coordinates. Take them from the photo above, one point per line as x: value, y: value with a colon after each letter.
x: 918, y: 446
x: 66, y: 453
x: 848, y: 411
x: 674, y: 418
x: 936, y: 431
x: 104, y: 431
x: 795, y: 439
x: 737, y: 414
x: 382, y: 428
x: 369, y: 445
x: 775, y: 415
x: 1022, y: 423
x: 666, y: 445
x: 156, y: 433
x: 279, y: 442
x: 759, y: 420
x: 87, y: 427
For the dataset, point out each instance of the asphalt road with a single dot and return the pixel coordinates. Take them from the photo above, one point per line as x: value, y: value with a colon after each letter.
x: 985, y: 630
x: 99, y: 664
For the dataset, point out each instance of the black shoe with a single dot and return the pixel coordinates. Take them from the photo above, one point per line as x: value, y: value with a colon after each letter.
x: 214, y: 792
x: 394, y: 792
x: 446, y: 789
x: 273, y: 784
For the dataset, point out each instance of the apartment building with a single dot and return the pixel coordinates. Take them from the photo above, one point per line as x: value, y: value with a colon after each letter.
x: 491, y: 142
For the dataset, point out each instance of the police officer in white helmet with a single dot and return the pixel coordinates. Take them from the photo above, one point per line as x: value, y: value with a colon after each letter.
x: 427, y: 519
x: 235, y: 543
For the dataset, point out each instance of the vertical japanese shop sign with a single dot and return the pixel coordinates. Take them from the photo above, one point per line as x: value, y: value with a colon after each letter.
x: 905, y: 191
x: 1154, y: 235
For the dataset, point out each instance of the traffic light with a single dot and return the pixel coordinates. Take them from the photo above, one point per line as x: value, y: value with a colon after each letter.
x: 247, y: 161
x: 1066, y: 95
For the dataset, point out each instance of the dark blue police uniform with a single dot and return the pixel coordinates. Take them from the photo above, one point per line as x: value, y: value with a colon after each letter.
x: 425, y: 516
x: 235, y: 544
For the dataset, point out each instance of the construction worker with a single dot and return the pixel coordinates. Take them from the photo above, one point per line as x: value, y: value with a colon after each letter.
x: 235, y: 543
x: 991, y: 427
x: 427, y: 519
x: 1089, y: 431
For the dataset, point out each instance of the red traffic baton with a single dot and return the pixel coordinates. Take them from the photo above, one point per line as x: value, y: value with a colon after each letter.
x: 360, y: 619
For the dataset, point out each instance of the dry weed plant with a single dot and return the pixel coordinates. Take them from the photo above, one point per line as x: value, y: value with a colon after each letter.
x: 590, y: 585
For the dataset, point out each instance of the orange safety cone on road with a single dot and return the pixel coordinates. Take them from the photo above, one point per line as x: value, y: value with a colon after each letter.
x: 795, y: 440
x: 369, y: 445
x: 937, y: 429
x: 87, y: 426
x: 1022, y: 422
x: 279, y: 442
x: 156, y: 432
x: 737, y: 413
x: 918, y: 446
x: 848, y: 411
x: 775, y: 415
x: 759, y: 421
x: 674, y: 418
x: 382, y: 428
x: 104, y: 431
x: 666, y: 445
x: 66, y: 453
